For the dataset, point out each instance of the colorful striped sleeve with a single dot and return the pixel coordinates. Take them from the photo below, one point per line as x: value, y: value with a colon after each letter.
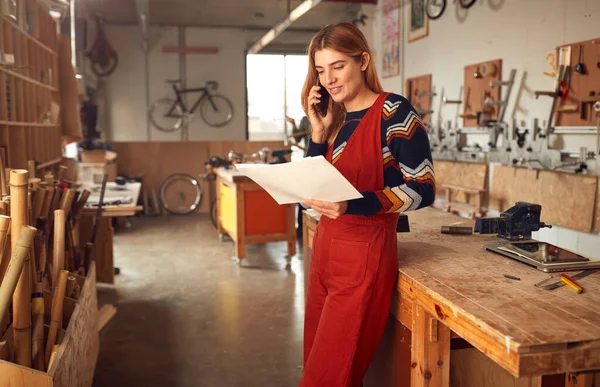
x: 407, y: 162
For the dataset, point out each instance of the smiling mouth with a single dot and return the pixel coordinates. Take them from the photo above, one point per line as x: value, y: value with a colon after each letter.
x: 335, y: 90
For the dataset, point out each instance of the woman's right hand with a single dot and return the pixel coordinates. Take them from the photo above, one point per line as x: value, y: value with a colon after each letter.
x: 318, y: 123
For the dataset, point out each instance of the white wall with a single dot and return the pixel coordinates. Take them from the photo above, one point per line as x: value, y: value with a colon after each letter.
x: 124, y: 91
x: 521, y: 33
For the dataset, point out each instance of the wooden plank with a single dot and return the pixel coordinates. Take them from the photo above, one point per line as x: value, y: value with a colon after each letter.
x: 581, y: 84
x: 390, y: 366
x: 139, y: 158
x: 103, y: 252
x: 75, y: 361
x: 455, y: 280
x: 105, y: 314
x: 430, y: 355
x: 549, y: 189
x: 415, y: 86
x: 471, y: 368
x: 477, y: 89
x: 189, y: 50
x: 470, y: 175
x: 576, y: 212
x: 15, y: 375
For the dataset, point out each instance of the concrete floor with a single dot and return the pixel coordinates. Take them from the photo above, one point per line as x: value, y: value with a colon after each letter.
x: 189, y: 316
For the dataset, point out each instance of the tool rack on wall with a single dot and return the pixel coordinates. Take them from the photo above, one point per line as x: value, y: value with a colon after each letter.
x: 29, y: 92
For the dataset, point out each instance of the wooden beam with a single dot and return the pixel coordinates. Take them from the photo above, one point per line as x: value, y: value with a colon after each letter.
x: 430, y: 357
x: 105, y: 314
x: 189, y: 50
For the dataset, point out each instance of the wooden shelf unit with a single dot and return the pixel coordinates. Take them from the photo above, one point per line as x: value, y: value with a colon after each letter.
x: 29, y: 87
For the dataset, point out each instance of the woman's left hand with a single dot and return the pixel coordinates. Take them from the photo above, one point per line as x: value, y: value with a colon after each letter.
x: 329, y: 209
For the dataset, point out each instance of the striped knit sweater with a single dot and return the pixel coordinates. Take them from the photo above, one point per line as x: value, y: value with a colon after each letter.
x: 407, y: 164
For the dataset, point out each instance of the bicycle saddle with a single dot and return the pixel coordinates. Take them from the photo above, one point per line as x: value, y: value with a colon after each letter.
x: 173, y: 81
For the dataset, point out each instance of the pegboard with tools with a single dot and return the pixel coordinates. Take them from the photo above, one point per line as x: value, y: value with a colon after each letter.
x: 419, y: 93
x: 581, y: 104
x: 482, y: 98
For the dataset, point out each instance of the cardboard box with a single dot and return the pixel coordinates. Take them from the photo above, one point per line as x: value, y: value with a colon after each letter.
x: 91, y: 173
x: 97, y: 156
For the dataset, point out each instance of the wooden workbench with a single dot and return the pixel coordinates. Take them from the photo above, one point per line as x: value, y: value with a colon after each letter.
x: 450, y: 289
x: 103, y: 248
x: 248, y: 214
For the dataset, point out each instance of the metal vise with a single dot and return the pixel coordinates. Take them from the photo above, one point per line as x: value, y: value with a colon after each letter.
x: 514, y: 224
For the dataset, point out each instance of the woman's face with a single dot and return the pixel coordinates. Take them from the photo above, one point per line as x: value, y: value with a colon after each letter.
x: 340, y: 74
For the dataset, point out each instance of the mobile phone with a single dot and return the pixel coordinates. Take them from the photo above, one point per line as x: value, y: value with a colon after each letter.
x: 324, y: 103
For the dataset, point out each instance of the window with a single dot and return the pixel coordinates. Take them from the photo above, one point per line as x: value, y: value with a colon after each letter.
x: 274, y: 83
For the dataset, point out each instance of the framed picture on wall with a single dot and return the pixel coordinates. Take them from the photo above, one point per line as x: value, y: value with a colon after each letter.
x: 418, y: 26
x: 391, y: 38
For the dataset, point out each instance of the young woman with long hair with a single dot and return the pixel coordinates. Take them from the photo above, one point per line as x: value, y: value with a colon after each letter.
x: 378, y: 142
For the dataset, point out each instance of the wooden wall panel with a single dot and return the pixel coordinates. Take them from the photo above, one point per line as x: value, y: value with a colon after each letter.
x: 471, y: 175
x: 477, y: 89
x: 567, y: 199
x: 415, y: 86
x: 157, y: 160
x: 597, y: 222
x: 582, y: 84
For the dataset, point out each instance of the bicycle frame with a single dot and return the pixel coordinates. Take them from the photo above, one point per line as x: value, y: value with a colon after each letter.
x: 179, y: 100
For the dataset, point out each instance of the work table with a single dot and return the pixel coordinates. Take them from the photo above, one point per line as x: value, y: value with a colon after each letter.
x: 453, y: 280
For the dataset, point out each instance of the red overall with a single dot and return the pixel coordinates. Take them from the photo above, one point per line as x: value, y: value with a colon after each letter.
x: 353, y: 268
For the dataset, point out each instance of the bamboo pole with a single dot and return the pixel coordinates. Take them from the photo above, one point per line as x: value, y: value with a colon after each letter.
x: 31, y: 168
x: 55, y: 348
x: 15, y: 267
x: 34, y: 184
x: 3, y: 181
x: 49, y: 179
x: 66, y: 201
x: 4, y: 227
x: 78, y: 208
x: 47, y: 203
x: 22, y: 295
x: 56, y: 313
x: 4, y: 206
x: 37, y: 335
x: 71, y: 282
x: 38, y: 203
x: 58, y: 249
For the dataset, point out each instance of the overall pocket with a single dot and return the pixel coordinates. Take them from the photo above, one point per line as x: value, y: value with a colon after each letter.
x: 348, y: 261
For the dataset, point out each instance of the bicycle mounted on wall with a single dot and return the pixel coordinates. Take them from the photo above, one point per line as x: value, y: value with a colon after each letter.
x: 435, y: 8
x: 169, y: 115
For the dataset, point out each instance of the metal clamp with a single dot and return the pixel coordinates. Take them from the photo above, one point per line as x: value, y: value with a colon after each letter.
x: 451, y: 101
x: 426, y: 94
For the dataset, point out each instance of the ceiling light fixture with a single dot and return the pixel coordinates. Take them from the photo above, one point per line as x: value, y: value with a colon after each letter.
x: 294, y: 15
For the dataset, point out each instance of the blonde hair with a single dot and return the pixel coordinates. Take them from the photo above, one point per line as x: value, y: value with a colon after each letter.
x: 347, y: 39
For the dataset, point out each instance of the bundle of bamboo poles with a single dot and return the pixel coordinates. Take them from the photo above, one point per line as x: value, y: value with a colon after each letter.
x: 39, y: 252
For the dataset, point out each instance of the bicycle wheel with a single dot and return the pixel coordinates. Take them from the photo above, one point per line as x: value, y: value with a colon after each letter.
x: 435, y: 8
x: 467, y: 3
x: 180, y: 194
x: 216, y: 110
x: 158, y: 115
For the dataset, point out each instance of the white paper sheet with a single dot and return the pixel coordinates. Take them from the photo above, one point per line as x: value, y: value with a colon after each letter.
x: 308, y: 178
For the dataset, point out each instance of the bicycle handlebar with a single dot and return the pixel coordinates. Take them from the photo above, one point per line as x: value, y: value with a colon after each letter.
x: 214, y: 84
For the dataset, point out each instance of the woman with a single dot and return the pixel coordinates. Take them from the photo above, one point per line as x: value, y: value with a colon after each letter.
x: 377, y: 141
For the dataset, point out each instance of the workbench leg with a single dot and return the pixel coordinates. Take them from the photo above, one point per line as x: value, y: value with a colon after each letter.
x: 582, y: 380
x: 240, y: 214
x: 430, y: 354
x: 291, y: 242
x: 218, y: 197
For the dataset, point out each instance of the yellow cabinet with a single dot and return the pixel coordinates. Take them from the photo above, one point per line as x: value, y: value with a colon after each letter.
x: 248, y: 214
